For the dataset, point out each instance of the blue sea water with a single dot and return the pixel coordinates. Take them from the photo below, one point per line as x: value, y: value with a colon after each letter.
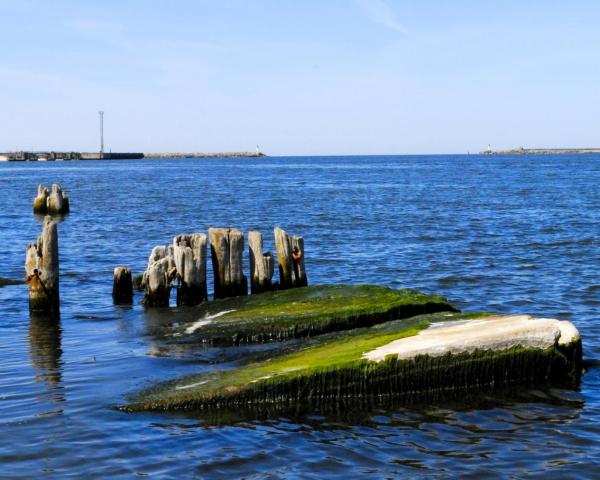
x: 493, y: 233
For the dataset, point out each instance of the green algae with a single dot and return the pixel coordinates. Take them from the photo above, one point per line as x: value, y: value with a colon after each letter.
x: 316, y: 354
x: 332, y: 370
x: 305, y: 312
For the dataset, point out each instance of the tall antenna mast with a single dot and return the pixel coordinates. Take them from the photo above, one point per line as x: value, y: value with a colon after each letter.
x: 101, y: 113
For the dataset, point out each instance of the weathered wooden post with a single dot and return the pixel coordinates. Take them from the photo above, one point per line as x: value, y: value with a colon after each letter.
x: 58, y: 201
x: 55, y: 202
x: 157, y: 277
x: 227, y: 248
x: 298, y: 261
x: 42, y: 270
x: 261, y: 265
x: 283, y: 248
x: 39, y: 203
x: 290, y: 256
x: 189, y: 252
x: 122, y: 286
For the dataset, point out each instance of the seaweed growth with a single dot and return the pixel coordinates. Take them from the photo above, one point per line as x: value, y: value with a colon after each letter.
x: 335, y: 372
x: 306, y: 312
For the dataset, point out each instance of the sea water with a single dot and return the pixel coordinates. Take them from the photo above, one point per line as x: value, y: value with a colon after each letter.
x: 508, y: 234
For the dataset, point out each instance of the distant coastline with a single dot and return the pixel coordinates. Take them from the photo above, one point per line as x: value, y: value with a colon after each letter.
x: 23, y: 156
x: 541, y: 151
x: 203, y: 155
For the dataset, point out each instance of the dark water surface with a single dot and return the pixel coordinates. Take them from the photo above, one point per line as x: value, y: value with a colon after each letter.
x: 504, y: 234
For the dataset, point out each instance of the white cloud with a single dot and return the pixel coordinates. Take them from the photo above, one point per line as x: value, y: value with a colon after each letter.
x: 378, y: 11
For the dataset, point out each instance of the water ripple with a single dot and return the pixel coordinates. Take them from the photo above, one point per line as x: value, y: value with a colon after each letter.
x: 491, y: 233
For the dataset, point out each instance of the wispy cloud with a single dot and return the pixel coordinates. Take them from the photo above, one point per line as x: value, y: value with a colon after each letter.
x: 378, y: 11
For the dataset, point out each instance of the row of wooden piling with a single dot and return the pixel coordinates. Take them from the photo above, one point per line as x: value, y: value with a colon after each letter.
x: 183, y: 266
x: 41, y: 258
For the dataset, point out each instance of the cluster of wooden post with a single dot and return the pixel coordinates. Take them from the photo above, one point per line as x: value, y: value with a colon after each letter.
x: 54, y: 202
x: 183, y: 265
x: 42, y: 270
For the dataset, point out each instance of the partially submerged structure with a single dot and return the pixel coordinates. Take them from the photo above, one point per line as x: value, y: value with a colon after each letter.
x: 369, y: 357
x: 182, y: 265
x: 303, y: 312
x: 358, y: 344
x: 42, y: 270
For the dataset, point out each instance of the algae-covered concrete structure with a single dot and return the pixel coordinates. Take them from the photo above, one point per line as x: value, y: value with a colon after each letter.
x: 373, y: 344
x: 304, y: 312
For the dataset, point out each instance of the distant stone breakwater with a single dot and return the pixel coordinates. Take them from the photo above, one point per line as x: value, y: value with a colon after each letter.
x: 23, y: 156
x: 204, y: 155
x: 541, y: 151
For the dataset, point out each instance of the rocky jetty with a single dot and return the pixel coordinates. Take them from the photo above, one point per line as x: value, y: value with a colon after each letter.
x: 204, y: 155
x: 542, y: 151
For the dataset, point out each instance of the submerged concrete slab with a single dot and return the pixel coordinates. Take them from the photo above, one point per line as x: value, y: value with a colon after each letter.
x: 429, y: 358
x: 300, y: 313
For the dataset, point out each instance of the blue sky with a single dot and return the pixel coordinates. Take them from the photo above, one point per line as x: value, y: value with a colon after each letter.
x: 299, y: 77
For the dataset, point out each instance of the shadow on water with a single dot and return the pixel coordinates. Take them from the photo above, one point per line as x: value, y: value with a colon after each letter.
x: 45, y: 351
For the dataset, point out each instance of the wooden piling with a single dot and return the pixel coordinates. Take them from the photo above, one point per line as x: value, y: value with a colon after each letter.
x: 189, y: 253
x: 42, y: 270
x: 227, y: 246
x: 122, y: 286
x: 39, y: 202
x: 261, y: 265
x: 157, y: 277
x: 58, y: 201
x: 283, y: 247
x: 54, y: 202
x: 290, y: 256
x: 298, y: 261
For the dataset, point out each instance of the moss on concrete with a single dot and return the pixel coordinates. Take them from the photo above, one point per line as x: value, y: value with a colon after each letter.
x: 334, y: 370
x: 305, y: 312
